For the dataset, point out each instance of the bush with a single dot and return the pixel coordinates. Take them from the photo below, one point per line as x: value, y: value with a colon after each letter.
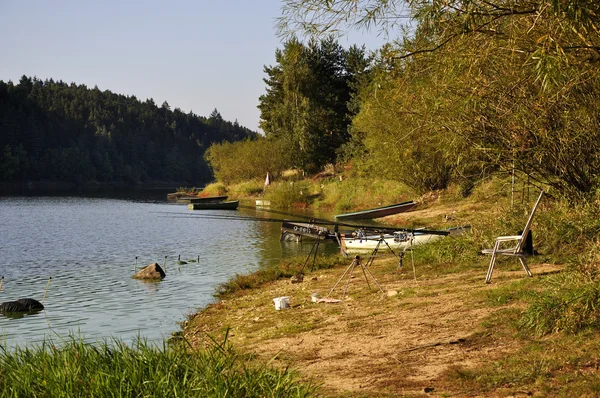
x: 247, y: 160
x: 215, y: 189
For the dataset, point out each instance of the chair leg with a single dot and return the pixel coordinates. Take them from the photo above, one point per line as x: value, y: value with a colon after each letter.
x: 525, y: 267
x: 488, y: 277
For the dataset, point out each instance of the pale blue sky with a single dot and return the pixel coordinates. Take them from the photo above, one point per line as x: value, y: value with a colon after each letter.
x: 196, y: 55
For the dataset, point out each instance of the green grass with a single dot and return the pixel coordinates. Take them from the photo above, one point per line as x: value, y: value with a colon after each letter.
x: 362, y: 193
x: 214, y: 189
x: 267, y: 273
x: 79, y: 369
x: 565, y: 366
x: 246, y: 189
x: 569, y: 303
x: 285, y: 195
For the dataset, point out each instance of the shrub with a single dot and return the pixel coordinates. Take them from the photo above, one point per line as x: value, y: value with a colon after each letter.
x: 247, y: 160
x: 215, y: 189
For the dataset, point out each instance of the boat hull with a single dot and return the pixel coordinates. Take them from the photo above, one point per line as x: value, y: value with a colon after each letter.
x: 299, y: 229
x: 230, y: 205
x: 378, y: 212
x: 208, y: 199
x: 352, y: 244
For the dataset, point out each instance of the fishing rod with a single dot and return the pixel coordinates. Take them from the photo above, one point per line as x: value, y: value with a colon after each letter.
x: 320, y: 221
x: 286, y: 213
x: 376, y: 229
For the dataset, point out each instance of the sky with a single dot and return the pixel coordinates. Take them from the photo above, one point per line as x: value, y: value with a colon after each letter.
x: 196, y: 55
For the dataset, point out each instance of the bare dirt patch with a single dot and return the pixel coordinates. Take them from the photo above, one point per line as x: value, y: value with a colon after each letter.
x: 372, y: 343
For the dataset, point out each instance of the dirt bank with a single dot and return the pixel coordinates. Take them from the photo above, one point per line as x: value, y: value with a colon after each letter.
x: 403, y: 341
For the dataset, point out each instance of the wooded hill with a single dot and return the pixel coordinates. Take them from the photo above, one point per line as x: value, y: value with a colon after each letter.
x: 53, y: 131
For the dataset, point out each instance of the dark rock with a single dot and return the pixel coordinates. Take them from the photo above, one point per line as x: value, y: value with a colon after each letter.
x: 20, y: 305
x: 31, y: 304
x: 153, y: 272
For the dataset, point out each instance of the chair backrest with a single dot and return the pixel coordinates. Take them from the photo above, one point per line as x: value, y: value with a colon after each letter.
x: 521, y: 243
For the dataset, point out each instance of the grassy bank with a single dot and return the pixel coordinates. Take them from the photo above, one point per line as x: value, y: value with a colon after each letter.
x: 437, y: 328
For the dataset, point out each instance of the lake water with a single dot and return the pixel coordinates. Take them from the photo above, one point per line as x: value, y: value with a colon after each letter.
x: 80, y: 253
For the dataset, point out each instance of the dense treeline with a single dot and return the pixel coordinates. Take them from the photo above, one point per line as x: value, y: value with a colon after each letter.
x: 53, y: 131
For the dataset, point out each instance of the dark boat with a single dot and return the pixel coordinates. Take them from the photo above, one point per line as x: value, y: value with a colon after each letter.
x: 299, y: 229
x: 198, y: 199
x: 230, y: 205
x: 208, y: 199
x: 378, y: 212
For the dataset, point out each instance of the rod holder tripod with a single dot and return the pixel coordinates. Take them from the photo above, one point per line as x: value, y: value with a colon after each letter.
x: 356, y: 262
x: 313, y: 252
x: 400, y: 255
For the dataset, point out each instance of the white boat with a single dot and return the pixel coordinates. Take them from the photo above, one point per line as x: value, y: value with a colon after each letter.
x: 399, y: 240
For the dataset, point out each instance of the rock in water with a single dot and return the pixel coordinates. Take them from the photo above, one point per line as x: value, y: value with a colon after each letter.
x: 21, y: 305
x: 31, y: 304
x: 151, y: 272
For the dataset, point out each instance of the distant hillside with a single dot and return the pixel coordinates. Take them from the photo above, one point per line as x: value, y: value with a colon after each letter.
x: 53, y: 131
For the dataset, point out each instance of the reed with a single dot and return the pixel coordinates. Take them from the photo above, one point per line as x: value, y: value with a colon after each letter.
x: 79, y: 369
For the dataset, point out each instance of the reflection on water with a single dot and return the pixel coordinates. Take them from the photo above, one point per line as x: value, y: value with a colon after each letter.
x: 88, y: 247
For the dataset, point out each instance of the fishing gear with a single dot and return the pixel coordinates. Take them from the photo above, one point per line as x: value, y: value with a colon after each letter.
x: 374, y: 229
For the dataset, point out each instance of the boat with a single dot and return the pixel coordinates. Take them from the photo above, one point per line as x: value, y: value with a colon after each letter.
x: 179, y: 196
x: 229, y: 205
x: 296, y: 230
x: 398, y: 240
x: 198, y: 199
x: 378, y: 212
x: 208, y: 199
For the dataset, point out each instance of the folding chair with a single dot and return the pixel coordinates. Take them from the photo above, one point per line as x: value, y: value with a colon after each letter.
x: 516, y: 251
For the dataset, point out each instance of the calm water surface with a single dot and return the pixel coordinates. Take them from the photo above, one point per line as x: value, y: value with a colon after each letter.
x: 80, y: 252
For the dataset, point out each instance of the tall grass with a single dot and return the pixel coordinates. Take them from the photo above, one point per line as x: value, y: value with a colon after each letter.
x: 448, y: 255
x: 569, y: 303
x: 284, y: 194
x: 79, y: 369
x: 361, y: 193
x: 214, y: 189
x: 250, y: 188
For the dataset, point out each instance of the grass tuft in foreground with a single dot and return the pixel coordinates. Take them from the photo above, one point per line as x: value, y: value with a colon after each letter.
x: 79, y: 369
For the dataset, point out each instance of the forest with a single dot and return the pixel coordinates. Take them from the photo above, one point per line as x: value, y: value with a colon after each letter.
x: 58, y: 132
x: 469, y: 89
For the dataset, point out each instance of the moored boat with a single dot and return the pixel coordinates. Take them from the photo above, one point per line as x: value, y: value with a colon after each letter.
x: 399, y: 240
x: 300, y: 229
x: 208, y: 199
x: 229, y: 205
x: 378, y: 212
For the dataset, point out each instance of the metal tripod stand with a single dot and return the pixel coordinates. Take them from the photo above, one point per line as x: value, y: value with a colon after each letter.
x: 376, y: 249
x: 313, y: 252
x: 355, y: 262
